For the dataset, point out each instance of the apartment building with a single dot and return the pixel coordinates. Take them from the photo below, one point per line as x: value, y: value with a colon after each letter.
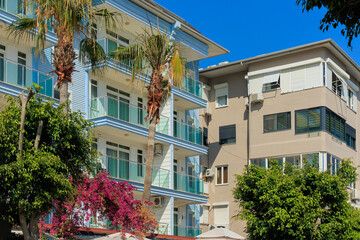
x: 117, y: 108
x: 294, y: 105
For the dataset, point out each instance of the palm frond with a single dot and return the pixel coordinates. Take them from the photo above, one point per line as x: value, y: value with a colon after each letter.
x: 91, y: 51
x: 23, y: 28
x: 177, y: 68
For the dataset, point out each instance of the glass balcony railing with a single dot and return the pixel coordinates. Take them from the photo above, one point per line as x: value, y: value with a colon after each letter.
x: 188, y: 132
x: 133, y: 171
x: 192, y: 86
x: 189, y: 85
x: 186, y: 231
x: 11, y: 6
x: 163, y: 229
x: 108, y: 106
x: 188, y: 183
x: 23, y: 76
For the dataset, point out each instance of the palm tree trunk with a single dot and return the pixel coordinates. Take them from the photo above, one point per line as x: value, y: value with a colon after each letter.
x: 64, y: 63
x: 149, y: 160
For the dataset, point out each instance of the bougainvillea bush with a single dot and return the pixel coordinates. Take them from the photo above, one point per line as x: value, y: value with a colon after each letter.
x: 100, y: 196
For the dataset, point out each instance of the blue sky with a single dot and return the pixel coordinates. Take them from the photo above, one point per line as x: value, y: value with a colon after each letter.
x: 251, y: 28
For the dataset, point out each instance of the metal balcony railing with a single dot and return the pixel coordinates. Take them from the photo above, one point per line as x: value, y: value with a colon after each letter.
x: 108, y: 106
x: 23, y: 76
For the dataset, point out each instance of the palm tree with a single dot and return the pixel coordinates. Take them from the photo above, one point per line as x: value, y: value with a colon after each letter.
x: 154, y: 54
x: 70, y: 20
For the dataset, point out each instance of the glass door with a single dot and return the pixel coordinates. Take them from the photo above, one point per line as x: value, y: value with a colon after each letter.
x: 141, y: 111
x: 112, y: 166
x: 124, y: 105
x: 191, y: 176
x: 175, y: 174
x: 2, y: 66
x: 124, y: 156
x: 21, y: 69
x: 176, y: 222
x: 175, y: 124
x: 191, y: 130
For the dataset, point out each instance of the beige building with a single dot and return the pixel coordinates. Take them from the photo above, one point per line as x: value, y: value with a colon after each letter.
x: 295, y: 105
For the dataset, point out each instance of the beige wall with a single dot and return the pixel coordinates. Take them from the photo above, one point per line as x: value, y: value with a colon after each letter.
x: 233, y: 155
x: 272, y: 144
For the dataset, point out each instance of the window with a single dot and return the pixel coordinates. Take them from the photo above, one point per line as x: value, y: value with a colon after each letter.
x: 21, y: 69
x: 2, y: 62
x: 260, y: 162
x: 336, y: 84
x: 335, y: 125
x: 271, y: 82
x: 115, y: 40
x: 221, y: 215
x: 205, y: 136
x: 227, y: 134
x: 333, y: 164
x: 221, y: 95
x: 204, y: 214
x: 350, y: 136
x: 294, y: 161
x: 276, y: 122
x: 222, y: 175
x: 140, y: 163
x: 307, y: 120
x: 350, y: 102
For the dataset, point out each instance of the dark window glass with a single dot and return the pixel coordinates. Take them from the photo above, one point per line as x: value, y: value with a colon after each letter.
x: 205, y: 135
x: 261, y: 162
x: 307, y: 120
x: 227, y: 134
x: 277, y: 122
x: 335, y: 125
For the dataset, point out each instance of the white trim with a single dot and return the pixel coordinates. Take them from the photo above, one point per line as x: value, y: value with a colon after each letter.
x: 286, y: 66
x: 352, y: 85
x: 221, y: 204
x: 222, y: 85
x: 338, y: 69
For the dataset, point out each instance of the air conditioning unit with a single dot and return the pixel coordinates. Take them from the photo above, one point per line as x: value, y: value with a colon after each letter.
x: 157, y: 201
x: 354, y: 195
x: 256, y: 98
x: 158, y: 149
x: 209, y: 173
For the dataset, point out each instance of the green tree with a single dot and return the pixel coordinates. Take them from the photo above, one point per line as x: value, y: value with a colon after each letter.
x: 37, y: 175
x: 298, y: 204
x: 70, y: 20
x: 156, y: 55
x: 345, y: 13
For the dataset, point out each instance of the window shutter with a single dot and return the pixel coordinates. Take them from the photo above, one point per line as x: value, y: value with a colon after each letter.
x: 272, y: 77
x: 221, y: 91
x: 313, y: 76
x: 227, y: 132
x: 350, y: 131
x: 298, y: 79
x: 221, y: 215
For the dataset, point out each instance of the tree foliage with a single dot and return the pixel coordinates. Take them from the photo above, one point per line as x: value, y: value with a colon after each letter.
x: 110, y: 201
x: 32, y: 180
x: 298, y: 204
x: 344, y: 12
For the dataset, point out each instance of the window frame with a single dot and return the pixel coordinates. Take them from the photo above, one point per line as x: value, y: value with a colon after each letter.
x: 222, y: 175
x: 337, y: 84
x: 234, y: 138
x: 288, y: 127
x: 308, y: 128
x: 221, y: 87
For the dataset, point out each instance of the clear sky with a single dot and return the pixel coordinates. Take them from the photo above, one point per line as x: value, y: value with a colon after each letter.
x: 250, y: 28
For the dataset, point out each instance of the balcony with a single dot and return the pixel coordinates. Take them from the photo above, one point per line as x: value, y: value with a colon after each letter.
x: 188, y: 183
x: 132, y: 171
x: 17, y: 77
x: 188, y: 133
x: 124, y: 111
x: 186, y: 231
x: 189, y: 93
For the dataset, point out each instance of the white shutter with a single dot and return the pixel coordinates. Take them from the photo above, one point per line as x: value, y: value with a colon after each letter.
x: 329, y: 77
x: 221, y: 92
x: 221, y: 215
x: 271, y: 77
x: 255, y: 84
x: 313, y: 76
x: 355, y: 101
x: 298, y: 79
x: 285, y: 81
